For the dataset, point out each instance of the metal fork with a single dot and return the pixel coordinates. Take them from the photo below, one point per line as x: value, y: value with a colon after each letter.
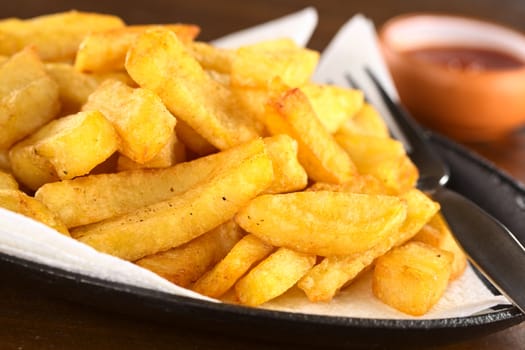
x: 490, y: 246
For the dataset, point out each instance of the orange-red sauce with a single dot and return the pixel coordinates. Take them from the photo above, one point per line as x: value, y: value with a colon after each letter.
x: 467, y: 58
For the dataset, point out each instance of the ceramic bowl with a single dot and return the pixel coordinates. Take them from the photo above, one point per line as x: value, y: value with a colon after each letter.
x: 461, y: 76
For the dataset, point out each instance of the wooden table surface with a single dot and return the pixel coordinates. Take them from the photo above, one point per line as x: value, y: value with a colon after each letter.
x: 31, y: 319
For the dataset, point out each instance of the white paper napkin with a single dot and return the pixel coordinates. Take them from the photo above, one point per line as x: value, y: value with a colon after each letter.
x: 25, y: 238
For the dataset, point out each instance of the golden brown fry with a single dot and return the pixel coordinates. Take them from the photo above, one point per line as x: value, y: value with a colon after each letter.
x: 57, y: 36
x: 289, y: 174
x: 325, y: 279
x: 63, y: 149
x: 412, y: 277
x: 187, y: 263
x: 29, y: 98
x: 248, y: 251
x: 366, y: 184
x: 323, y: 223
x: 366, y: 121
x: 332, y: 104
x: 181, y: 218
x: 211, y: 57
x: 160, y: 62
x: 7, y: 181
x: 280, y: 58
x: 273, y: 276
x: 141, y: 120
x: 193, y: 140
x: 384, y: 158
x: 105, y: 51
x: 320, y: 155
x: 437, y: 234
x: 21, y: 203
x: 93, y: 198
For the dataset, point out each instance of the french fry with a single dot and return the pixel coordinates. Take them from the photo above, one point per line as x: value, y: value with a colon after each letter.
x: 7, y: 181
x: 57, y: 36
x: 74, y: 87
x: 332, y: 104
x: 21, y: 203
x: 193, y: 140
x: 367, y: 121
x: 289, y: 174
x: 437, y: 234
x: 384, y: 158
x: 247, y: 252
x: 277, y: 273
x: 63, y: 149
x: 172, y: 153
x: 29, y: 98
x: 168, y: 224
x: 366, y: 184
x: 325, y: 279
x: 105, y: 51
x: 187, y: 263
x: 141, y: 120
x: 280, y: 58
x: 323, y: 223
x: 160, y: 62
x: 412, y: 277
x: 323, y: 159
x: 211, y: 57
x: 77, y: 201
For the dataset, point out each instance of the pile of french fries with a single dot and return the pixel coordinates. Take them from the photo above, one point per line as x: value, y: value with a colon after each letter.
x: 228, y: 172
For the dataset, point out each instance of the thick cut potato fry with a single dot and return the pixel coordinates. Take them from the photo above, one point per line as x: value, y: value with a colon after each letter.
x: 255, y: 66
x: 56, y: 36
x: 141, y: 120
x: 323, y: 223
x: 105, y: 51
x: 323, y: 159
x: 93, y: 198
x: 178, y: 220
x: 159, y: 61
x: 384, y: 158
x: 273, y: 276
x: 437, y: 234
x: 367, y: 121
x: 29, y: 98
x: 74, y: 87
x: 172, y: 153
x: 211, y: 57
x: 187, y: 263
x: 192, y: 140
x: 21, y: 203
x: 323, y: 281
x: 248, y: 251
x: 63, y: 149
x: 7, y: 181
x: 289, y: 174
x: 333, y: 104
x: 366, y: 184
x: 412, y: 277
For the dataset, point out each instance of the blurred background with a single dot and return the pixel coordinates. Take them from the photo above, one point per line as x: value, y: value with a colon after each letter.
x: 221, y: 17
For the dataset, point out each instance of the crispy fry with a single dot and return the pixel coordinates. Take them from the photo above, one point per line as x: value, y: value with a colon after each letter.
x: 29, y: 98
x: 323, y: 281
x: 7, y: 181
x: 93, y: 198
x: 187, y: 263
x: 21, y: 203
x: 142, y: 122
x: 159, y: 61
x: 323, y: 223
x: 365, y: 122
x: 105, y: 51
x: 277, y: 273
x: 63, y: 149
x: 248, y: 251
x: 322, y: 158
x: 178, y: 220
x: 412, y: 278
